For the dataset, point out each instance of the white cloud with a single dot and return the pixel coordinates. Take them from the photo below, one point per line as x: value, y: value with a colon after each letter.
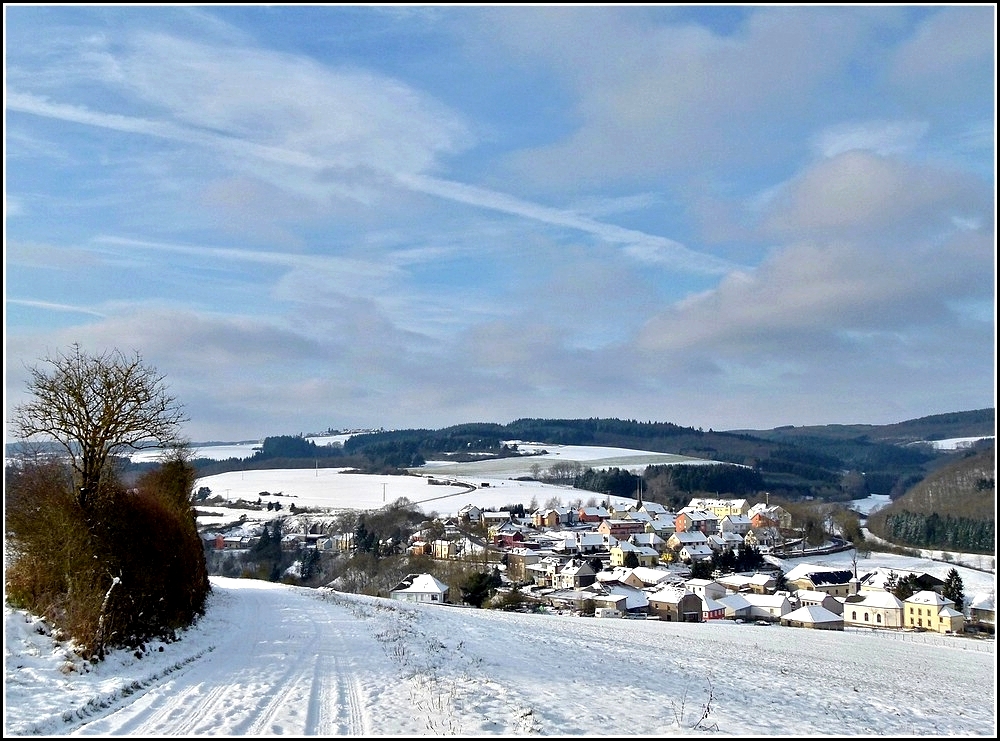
x: 860, y: 191
x: 948, y: 49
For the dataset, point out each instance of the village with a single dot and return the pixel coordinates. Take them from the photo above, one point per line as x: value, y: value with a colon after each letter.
x: 642, y: 561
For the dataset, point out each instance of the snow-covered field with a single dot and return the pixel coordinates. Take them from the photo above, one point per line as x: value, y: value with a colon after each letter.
x: 273, y: 660
x: 336, y: 489
x: 957, y: 443
x: 490, y: 483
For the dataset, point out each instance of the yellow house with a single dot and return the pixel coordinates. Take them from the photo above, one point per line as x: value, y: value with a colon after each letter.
x: 647, y: 556
x: 721, y: 507
x: 928, y: 610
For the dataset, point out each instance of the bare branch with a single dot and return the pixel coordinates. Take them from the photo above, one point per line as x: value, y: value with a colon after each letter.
x: 95, y: 406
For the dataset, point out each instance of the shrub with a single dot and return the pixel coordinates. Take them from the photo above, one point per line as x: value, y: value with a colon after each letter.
x: 117, y: 573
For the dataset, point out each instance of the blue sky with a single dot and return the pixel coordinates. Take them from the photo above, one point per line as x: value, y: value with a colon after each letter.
x: 416, y: 216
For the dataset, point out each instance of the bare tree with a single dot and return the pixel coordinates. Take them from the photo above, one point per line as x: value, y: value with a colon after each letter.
x: 95, y: 406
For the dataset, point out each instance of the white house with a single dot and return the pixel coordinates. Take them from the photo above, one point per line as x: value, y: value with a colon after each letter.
x: 420, y: 588
x: 706, y: 588
x: 810, y: 598
x: 875, y: 610
x: 813, y: 616
x: 771, y: 606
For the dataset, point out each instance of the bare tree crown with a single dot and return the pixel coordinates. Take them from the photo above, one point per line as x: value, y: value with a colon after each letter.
x: 96, y: 405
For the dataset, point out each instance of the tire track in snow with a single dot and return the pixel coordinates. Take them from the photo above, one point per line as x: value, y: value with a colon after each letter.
x: 178, y: 713
x: 350, y: 714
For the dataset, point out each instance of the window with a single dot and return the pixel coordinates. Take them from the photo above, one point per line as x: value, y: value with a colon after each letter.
x: 866, y: 617
x: 878, y: 618
x: 854, y: 615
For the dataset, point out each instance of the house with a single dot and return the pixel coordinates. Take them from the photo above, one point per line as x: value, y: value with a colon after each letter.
x: 653, y: 509
x: 544, y: 570
x: 722, y: 542
x: 622, y: 597
x: 291, y: 541
x: 591, y: 542
x: 696, y: 553
x: 766, y: 515
x: 762, y: 538
x: 651, y: 576
x: 517, y: 561
x: 736, y: 582
x: 508, y: 535
x: 736, y: 607
x: 736, y: 524
x: 415, y: 548
x: 810, y: 598
x: 592, y: 514
x: 344, y: 542
x: 712, y: 609
x: 640, y: 516
x: 689, y: 520
x: 837, y: 582
x: 663, y: 525
x: 645, y: 555
x: 680, y: 539
x: 875, y: 581
x: 982, y: 609
x: 767, y: 606
x: 706, y: 588
x: 813, y: 616
x: 928, y: 610
x: 564, y: 543
x: 874, y: 610
x: 444, y: 549
x: 622, y: 575
x: 575, y: 574
x: 676, y: 603
x: 721, y: 507
x: 546, y: 518
x: 420, y: 588
x: 648, y: 540
x: 494, y: 520
x: 620, y: 529
x: 639, y: 577
x: 470, y: 513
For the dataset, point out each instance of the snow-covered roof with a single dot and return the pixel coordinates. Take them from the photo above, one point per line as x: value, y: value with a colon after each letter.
x: 421, y: 583
x: 927, y: 597
x: 983, y: 601
x: 734, y: 601
x: 881, y: 600
x: 813, y: 614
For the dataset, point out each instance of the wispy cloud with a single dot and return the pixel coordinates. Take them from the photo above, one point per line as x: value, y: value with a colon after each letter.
x: 641, y: 246
x: 49, y: 306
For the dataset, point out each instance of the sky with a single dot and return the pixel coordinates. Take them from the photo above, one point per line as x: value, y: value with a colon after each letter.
x: 359, y: 216
x: 270, y: 659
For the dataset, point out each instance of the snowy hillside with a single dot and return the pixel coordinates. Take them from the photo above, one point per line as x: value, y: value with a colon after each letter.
x: 274, y: 660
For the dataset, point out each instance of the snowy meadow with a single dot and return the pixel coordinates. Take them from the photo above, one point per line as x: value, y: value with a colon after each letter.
x: 274, y: 660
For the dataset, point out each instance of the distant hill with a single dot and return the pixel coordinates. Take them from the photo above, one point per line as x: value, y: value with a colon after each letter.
x: 820, y: 462
x: 975, y: 423
x: 953, y: 508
